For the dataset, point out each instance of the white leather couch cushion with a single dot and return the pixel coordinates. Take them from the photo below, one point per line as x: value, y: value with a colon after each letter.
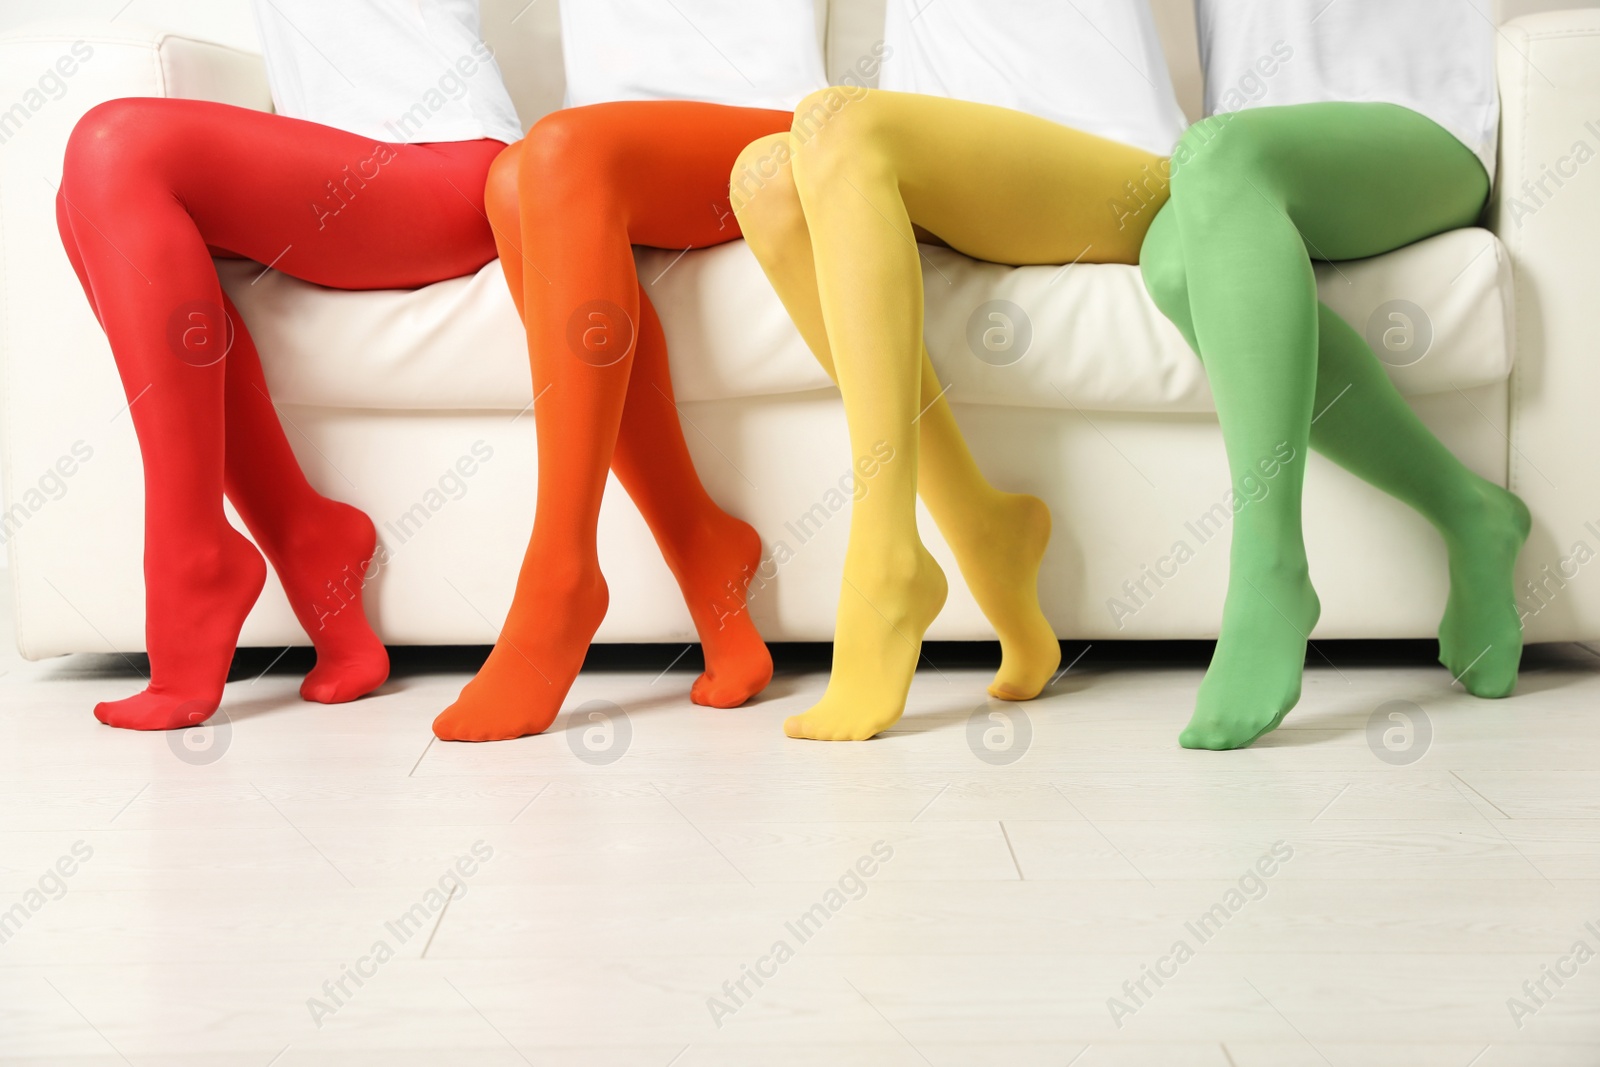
x: 1087, y: 336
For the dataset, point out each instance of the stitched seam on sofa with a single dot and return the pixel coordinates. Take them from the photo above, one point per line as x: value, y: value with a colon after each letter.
x: 139, y: 42
x: 1556, y: 35
x: 13, y: 551
x: 159, y: 67
x: 1514, y: 400
x: 244, y: 52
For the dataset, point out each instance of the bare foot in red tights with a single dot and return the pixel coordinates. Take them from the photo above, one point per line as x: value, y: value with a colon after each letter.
x: 324, y: 572
x: 192, y: 627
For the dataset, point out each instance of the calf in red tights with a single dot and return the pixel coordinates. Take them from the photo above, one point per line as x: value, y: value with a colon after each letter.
x: 151, y: 190
x: 568, y: 203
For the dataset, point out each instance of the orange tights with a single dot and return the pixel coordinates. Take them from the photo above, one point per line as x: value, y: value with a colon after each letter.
x: 567, y: 203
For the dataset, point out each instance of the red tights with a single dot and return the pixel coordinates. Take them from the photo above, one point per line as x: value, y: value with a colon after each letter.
x: 151, y: 190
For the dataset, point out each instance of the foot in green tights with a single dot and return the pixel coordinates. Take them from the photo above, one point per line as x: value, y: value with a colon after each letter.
x: 1265, y: 623
x: 1480, y: 636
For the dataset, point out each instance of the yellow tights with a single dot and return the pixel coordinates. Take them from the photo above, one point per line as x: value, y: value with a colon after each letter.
x: 833, y: 210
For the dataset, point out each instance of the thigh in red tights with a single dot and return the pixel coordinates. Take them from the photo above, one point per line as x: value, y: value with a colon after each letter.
x: 150, y: 189
x: 568, y: 203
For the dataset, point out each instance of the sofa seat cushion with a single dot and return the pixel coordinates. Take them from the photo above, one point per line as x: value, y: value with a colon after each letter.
x: 1080, y: 337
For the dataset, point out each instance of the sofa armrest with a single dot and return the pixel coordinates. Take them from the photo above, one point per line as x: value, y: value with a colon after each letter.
x: 58, y: 385
x: 51, y: 72
x: 1546, y: 210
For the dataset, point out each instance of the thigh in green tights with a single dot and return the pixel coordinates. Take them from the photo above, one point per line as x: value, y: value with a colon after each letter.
x: 1256, y: 196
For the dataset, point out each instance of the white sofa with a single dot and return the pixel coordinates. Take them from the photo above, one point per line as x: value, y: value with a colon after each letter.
x: 1106, y: 415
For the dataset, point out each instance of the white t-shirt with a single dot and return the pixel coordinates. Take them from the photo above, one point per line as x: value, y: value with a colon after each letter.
x: 1435, y: 57
x: 748, y: 53
x: 1094, y: 65
x: 401, y: 71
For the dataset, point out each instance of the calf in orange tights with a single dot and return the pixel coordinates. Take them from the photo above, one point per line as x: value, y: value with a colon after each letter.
x: 567, y: 204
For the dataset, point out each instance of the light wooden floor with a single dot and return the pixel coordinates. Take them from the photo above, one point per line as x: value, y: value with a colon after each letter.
x: 1018, y: 898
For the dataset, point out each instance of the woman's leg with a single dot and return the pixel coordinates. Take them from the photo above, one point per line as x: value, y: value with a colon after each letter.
x: 592, y: 182
x: 1365, y: 426
x: 709, y: 551
x: 711, y: 554
x: 318, y: 547
x: 998, y: 538
x: 1255, y: 196
x: 150, y: 188
x: 995, y: 184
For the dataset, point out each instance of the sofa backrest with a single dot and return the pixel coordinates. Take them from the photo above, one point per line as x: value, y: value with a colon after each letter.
x: 527, y: 38
x: 526, y: 34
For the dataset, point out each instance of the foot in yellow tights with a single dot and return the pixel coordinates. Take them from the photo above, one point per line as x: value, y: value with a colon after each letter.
x: 1004, y: 580
x: 885, y: 607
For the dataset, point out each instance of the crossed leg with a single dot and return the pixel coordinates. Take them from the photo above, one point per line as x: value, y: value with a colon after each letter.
x: 832, y: 212
x: 568, y: 203
x: 1255, y: 196
x: 150, y: 190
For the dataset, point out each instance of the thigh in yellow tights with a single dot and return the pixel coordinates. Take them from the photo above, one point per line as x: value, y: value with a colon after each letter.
x: 832, y: 210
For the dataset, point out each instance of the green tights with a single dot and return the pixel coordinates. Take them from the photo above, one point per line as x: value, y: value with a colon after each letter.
x: 1256, y: 196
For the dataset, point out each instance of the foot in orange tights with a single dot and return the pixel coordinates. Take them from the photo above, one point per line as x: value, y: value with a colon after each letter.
x: 738, y: 664
x: 535, y: 660
x: 521, y: 686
